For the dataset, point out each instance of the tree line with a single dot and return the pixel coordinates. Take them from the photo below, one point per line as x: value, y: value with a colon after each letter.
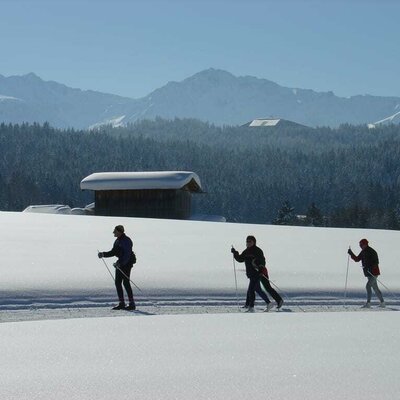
x: 351, y: 174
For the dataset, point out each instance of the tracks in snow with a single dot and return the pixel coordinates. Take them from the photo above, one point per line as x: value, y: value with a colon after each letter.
x: 13, y: 309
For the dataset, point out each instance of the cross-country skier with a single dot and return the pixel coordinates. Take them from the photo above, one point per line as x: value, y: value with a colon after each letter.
x: 122, y: 249
x: 253, y: 257
x: 370, y: 264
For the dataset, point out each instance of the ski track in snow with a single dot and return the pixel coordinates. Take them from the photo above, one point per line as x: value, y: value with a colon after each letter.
x: 34, y: 309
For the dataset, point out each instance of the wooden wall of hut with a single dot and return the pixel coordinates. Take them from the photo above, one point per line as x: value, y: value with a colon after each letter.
x: 173, y: 204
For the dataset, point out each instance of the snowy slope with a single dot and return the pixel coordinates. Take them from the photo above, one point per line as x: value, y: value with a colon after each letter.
x: 392, y: 119
x: 59, y: 253
x: 227, y: 356
x: 8, y: 98
x: 282, y: 355
x: 115, y: 122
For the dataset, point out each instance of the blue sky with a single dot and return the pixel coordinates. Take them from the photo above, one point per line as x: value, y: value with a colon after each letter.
x: 132, y: 47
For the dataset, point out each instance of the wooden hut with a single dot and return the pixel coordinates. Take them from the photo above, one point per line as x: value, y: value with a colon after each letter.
x: 158, y: 194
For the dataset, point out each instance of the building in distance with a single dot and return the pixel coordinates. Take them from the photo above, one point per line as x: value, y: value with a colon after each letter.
x: 155, y: 194
x: 272, y: 122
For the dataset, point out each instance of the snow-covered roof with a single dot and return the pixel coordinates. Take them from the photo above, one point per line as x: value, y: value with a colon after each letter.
x: 142, y: 180
x: 48, y: 209
x: 272, y: 122
x: 264, y: 122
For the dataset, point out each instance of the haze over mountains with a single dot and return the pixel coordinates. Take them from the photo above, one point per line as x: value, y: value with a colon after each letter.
x: 211, y: 95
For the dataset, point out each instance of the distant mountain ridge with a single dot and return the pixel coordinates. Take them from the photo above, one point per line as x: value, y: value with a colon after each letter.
x: 28, y: 98
x: 211, y: 95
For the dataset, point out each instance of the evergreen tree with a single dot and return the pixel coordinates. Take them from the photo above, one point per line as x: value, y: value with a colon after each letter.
x: 314, y: 216
x: 285, y: 215
x: 245, y: 172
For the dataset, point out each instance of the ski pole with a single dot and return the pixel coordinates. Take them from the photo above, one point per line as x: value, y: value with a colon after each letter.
x: 345, y: 285
x: 284, y: 294
x: 152, y: 303
x: 112, y: 277
x: 236, y: 286
x: 122, y: 272
x: 127, y: 277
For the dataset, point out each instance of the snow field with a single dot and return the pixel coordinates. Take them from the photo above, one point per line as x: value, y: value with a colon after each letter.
x: 58, y: 253
x: 236, y: 356
x: 49, y: 269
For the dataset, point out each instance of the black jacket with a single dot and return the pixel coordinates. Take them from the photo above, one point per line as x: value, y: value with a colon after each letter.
x: 122, y: 249
x: 369, y: 260
x: 254, y: 259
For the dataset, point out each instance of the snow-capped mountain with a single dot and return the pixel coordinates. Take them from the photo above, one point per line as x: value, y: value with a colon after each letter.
x: 211, y: 95
x: 28, y: 98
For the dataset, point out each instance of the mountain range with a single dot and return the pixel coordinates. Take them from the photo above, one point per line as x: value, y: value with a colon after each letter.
x: 211, y: 95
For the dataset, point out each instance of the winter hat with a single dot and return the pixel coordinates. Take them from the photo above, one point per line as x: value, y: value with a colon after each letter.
x: 119, y: 228
x: 252, y: 238
x: 363, y: 242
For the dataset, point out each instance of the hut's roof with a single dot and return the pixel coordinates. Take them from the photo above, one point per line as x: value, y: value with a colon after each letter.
x: 142, y: 180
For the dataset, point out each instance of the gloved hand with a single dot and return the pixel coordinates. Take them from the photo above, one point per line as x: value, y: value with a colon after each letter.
x: 233, y: 251
x: 116, y: 264
x: 349, y: 252
x: 100, y: 254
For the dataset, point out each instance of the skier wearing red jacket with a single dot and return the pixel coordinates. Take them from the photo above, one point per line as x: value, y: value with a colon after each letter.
x: 370, y: 264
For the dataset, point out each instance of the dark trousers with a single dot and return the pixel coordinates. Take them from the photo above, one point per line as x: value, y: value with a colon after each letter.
x: 267, y: 285
x: 123, y: 277
x: 254, y: 287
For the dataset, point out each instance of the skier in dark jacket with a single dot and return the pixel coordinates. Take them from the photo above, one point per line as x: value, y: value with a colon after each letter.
x: 370, y: 264
x: 254, y: 259
x: 122, y: 249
